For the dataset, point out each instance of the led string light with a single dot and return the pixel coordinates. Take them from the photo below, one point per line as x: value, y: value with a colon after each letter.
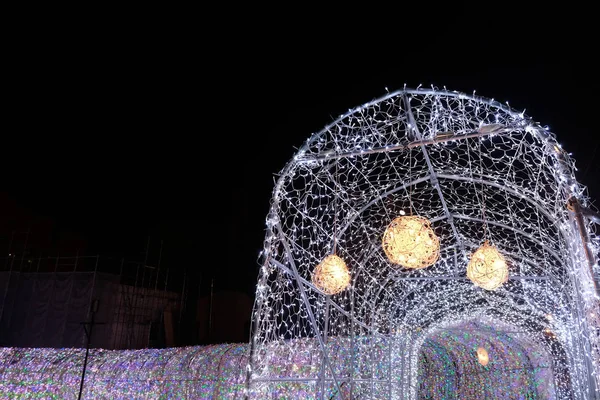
x: 217, y: 371
x: 392, y: 333
x: 527, y: 185
x: 199, y: 372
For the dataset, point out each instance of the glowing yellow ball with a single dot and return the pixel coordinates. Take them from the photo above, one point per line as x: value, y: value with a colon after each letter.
x: 487, y: 267
x: 331, y: 276
x: 410, y: 242
x: 482, y: 356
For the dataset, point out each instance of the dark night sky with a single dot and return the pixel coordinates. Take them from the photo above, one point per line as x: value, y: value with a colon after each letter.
x: 120, y: 142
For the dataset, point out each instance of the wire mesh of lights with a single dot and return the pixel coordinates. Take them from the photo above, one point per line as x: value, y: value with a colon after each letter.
x: 441, y: 156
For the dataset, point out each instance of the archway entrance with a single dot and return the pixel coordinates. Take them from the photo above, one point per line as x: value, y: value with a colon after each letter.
x: 344, y: 309
x: 486, y: 360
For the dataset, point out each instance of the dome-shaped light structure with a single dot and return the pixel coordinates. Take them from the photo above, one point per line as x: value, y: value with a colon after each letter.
x: 331, y: 276
x: 410, y: 242
x: 487, y: 267
x: 482, y: 356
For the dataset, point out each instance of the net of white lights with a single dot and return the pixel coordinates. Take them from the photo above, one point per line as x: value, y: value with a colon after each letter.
x: 477, y: 170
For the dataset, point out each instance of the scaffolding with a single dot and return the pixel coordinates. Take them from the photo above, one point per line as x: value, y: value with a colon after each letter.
x: 45, y: 301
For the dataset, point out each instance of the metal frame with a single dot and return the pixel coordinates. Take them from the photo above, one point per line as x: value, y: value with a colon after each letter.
x: 281, y: 245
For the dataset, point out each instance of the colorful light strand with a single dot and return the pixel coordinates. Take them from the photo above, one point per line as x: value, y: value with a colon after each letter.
x: 209, y: 372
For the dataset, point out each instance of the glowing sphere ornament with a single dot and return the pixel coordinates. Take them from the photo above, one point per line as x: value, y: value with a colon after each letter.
x: 487, y: 267
x: 331, y: 276
x: 482, y: 356
x: 410, y: 242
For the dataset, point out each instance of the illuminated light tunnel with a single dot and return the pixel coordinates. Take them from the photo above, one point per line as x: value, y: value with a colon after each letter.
x: 477, y: 171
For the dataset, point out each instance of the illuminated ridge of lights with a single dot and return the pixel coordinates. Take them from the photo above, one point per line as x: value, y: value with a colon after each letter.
x: 218, y: 371
x: 202, y: 372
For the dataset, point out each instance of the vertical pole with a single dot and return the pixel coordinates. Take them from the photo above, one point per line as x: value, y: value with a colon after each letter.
x: 576, y: 208
x: 131, y: 308
x: 352, y: 339
x: 118, y: 330
x: 158, y: 265
x: 10, y: 260
x: 390, y: 339
x: 93, y: 284
x: 24, y: 250
x: 182, y: 303
x: 210, y: 308
x: 19, y: 277
x: 94, y: 308
x: 164, y: 301
x: 140, y: 303
x: 325, y: 329
x: 35, y: 281
x: 158, y: 302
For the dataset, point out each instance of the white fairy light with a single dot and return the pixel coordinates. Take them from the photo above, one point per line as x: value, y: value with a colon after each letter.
x: 387, y: 160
